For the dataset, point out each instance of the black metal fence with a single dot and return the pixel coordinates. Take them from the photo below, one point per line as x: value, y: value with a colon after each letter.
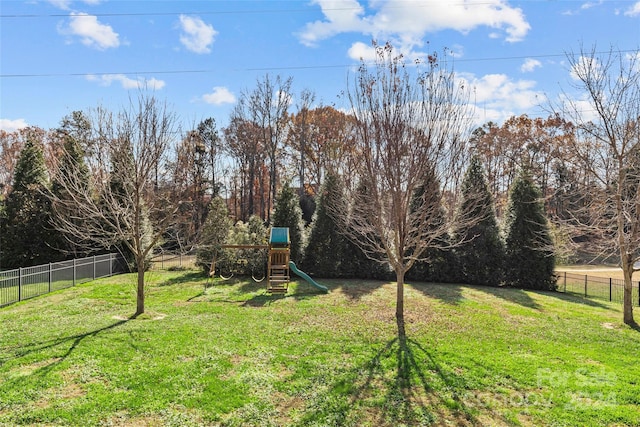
x: 28, y: 282
x: 596, y: 287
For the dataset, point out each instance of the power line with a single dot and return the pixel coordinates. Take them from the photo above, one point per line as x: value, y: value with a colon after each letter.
x: 277, y: 68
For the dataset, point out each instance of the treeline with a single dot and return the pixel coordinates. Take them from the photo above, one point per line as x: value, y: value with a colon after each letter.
x: 264, y: 146
x: 246, y: 163
x: 29, y: 238
x: 517, y: 251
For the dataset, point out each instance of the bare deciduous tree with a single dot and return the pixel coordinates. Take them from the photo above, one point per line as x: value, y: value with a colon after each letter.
x: 125, y: 203
x: 300, y: 134
x: 606, y: 113
x: 243, y: 144
x: 411, y: 142
x: 269, y: 103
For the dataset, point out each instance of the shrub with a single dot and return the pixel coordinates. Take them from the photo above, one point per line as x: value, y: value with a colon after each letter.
x: 214, y: 233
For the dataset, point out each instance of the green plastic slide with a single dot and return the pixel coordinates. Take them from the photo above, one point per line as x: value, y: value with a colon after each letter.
x: 305, y: 276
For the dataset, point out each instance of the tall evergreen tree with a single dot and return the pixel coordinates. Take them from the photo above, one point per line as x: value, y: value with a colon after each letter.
x: 70, y: 162
x: 288, y: 214
x: 437, y: 262
x: 26, y: 234
x: 480, y: 258
x: 529, y: 260
x: 324, y: 255
x: 360, y: 264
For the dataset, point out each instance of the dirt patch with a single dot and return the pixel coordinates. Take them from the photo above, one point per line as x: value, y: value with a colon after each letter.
x: 68, y: 391
x: 72, y: 391
x: 30, y: 369
x: 286, y: 405
x: 608, y: 325
x: 123, y: 420
x: 237, y: 359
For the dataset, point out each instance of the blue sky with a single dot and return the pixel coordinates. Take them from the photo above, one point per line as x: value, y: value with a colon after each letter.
x: 58, y: 56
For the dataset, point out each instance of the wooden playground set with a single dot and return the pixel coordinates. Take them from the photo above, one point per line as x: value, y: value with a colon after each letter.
x: 279, y: 264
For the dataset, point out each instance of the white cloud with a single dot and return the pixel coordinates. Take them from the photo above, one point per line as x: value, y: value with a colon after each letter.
x: 362, y: 51
x: 497, y: 97
x: 92, y: 33
x: 284, y: 98
x: 61, y: 4
x: 585, y: 66
x: 197, y: 36
x: 633, y: 10
x: 406, y: 23
x: 9, y: 125
x: 366, y: 52
x: 220, y: 95
x: 529, y: 65
x: 66, y: 4
x: 341, y: 16
x: 580, y: 104
x: 590, y: 4
x: 126, y: 82
x: 634, y: 61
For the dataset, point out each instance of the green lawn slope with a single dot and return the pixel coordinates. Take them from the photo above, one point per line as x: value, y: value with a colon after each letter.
x: 232, y: 355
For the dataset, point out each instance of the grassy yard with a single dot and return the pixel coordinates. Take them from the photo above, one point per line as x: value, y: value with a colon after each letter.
x: 232, y: 355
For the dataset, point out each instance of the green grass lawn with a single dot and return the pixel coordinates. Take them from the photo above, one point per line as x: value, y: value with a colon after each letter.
x: 232, y: 355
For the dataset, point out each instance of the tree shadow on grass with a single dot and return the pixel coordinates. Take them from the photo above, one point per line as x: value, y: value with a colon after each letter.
x: 190, y: 277
x: 354, y: 289
x: 265, y: 299
x: 72, y: 341
x: 404, y: 383
x: 513, y: 295
x: 573, y: 298
x: 448, y: 293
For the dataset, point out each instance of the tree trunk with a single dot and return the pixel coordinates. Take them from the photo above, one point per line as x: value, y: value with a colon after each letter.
x: 400, y: 301
x: 627, y: 271
x: 626, y: 260
x: 140, y: 289
x: 273, y: 187
x: 302, y: 150
x: 252, y: 179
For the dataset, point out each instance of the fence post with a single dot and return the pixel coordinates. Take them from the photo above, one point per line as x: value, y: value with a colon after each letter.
x: 74, y: 272
x: 585, y: 285
x: 20, y: 284
x: 610, y: 279
x: 565, y: 282
x: 50, y: 277
x: 110, y: 265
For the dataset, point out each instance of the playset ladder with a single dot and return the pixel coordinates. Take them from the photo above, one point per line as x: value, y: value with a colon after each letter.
x: 278, y: 266
x: 278, y: 269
